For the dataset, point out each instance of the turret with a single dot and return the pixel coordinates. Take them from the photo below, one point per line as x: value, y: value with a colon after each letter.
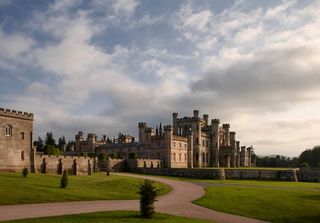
x: 233, y: 140
x: 174, y: 122
x: 168, y: 132
x: 142, y: 127
x: 226, y: 127
x: 206, y: 118
x: 215, y: 142
x: 196, y: 113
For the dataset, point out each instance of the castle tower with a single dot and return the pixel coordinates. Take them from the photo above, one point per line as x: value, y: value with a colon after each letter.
x: 233, y: 149
x: 215, y: 142
x: 196, y: 127
x: 238, y: 153
x: 174, y: 122
x: 16, y: 140
x: 168, y: 132
x: 206, y: 118
x: 142, y: 129
x: 226, y: 127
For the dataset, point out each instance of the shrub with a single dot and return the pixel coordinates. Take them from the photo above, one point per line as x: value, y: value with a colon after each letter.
x: 64, y: 179
x: 304, y: 165
x: 133, y: 156
x: 148, y: 193
x: 25, y: 172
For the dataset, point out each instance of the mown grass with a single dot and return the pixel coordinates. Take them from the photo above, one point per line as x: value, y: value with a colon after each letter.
x: 113, y: 216
x: 273, y: 205
x: 40, y: 188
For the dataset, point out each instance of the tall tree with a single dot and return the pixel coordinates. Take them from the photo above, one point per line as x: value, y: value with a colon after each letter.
x: 49, y: 139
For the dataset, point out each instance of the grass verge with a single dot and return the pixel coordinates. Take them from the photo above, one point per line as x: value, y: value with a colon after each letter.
x: 40, y: 188
x: 261, y: 203
x: 113, y: 216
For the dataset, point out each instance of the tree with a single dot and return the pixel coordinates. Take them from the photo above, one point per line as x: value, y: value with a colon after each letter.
x: 310, y: 156
x: 148, y: 193
x: 49, y: 139
x: 39, y: 144
x: 61, y: 142
x: 64, y: 179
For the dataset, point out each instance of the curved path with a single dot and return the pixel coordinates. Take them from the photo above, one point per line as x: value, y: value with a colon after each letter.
x: 177, y: 202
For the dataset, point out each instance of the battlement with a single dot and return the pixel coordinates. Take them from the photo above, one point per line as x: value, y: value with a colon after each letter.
x: 168, y: 128
x: 16, y: 114
x: 233, y: 133
x: 226, y: 126
x: 142, y: 124
x: 215, y: 121
x: 149, y: 130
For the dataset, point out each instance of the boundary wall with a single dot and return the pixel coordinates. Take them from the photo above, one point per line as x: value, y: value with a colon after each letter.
x: 241, y: 174
x: 75, y: 165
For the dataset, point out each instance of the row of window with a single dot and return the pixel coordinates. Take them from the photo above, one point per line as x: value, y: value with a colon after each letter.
x: 174, y: 158
x: 180, y: 145
x: 8, y: 131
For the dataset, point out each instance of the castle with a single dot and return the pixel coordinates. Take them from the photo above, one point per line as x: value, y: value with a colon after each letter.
x: 17, y: 152
x: 189, y: 142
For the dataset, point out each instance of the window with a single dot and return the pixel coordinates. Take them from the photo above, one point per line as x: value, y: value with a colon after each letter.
x: 174, y: 157
x: 185, y: 157
x: 180, y: 157
x: 197, y: 140
x: 179, y: 145
x: 202, y: 142
x: 22, y: 135
x: 8, y: 130
x: 185, y: 145
x: 22, y: 155
x: 207, y: 143
x: 174, y: 144
x: 203, y: 157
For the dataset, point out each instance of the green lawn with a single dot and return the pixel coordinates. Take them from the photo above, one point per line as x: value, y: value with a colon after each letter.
x: 113, y: 216
x: 39, y: 188
x: 275, y: 205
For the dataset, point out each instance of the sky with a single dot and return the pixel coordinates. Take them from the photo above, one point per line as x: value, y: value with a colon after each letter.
x: 102, y: 66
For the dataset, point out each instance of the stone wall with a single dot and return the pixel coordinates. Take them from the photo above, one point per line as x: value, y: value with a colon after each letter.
x: 56, y: 164
x: 244, y: 174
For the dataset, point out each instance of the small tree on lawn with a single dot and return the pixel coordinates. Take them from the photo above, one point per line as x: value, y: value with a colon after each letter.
x: 64, y: 179
x: 148, y: 193
x: 25, y: 172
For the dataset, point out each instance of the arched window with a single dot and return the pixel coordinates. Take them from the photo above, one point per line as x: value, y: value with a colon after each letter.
x: 8, y: 130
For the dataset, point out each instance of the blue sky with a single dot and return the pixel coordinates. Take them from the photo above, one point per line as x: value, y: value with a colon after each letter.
x: 102, y: 66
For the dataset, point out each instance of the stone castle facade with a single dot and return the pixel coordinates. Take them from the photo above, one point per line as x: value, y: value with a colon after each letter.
x: 189, y: 142
x: 16, y: 138
x: 17, y: 152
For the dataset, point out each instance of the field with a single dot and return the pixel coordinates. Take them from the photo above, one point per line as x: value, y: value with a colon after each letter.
x: 38, y: 188
x: 284, y: 202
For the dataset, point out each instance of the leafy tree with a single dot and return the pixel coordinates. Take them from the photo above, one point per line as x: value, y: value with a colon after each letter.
x: 64, y: 179
x: 148, y: 193
x: 310, y: 156
x: 53, y: 150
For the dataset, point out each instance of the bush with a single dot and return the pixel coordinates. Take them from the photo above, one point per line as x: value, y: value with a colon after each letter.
x: 148, y: 193
x: 25, y: 172
x: 304, y: 165
x: 64, y: 179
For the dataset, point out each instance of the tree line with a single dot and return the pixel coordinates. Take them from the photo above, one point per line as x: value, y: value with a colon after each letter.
x: 50, y: 147
x: 308, y: 158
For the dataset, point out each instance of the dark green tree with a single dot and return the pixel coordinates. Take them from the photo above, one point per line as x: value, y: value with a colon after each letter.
x: 64, y: 179
x: 49, y: 139
x: 39, y: 144
x: 310, y: 156
x: 61, y: 142
x: 25, y: 172
x: 148, y: 193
